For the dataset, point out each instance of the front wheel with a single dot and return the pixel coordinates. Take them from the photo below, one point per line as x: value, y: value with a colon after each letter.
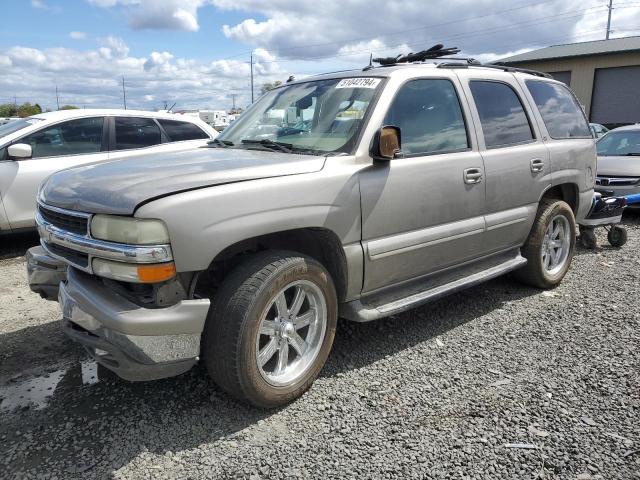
x: 549, y: 248
x: 271, y: 328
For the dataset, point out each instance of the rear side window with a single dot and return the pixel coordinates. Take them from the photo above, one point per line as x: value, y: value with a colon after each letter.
x: 504, y: 121
x: 560, y: 111
x: 133, y: 132
x: 180, y: 131
x: 430, y: 118
x: 73, y: 137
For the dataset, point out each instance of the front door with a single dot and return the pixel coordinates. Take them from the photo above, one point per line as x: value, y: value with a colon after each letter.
x: 423, y: 212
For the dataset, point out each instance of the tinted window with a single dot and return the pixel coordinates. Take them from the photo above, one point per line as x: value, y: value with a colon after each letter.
x: 504, y: 121
x: 430, y: 118
x: 134, y: 132
x: 83, y: 135
x: 179, y: 131
x: 559, y: 109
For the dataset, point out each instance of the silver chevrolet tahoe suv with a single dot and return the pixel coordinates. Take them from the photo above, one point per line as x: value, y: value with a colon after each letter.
x: 357, y: 194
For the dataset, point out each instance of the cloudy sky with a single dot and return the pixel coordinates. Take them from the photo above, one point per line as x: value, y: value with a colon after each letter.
x: 196, y: 52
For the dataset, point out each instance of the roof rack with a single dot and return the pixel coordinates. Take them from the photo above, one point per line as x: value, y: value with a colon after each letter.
x: 439, y: 52
x: 506, y: 68
x: 436, y: 51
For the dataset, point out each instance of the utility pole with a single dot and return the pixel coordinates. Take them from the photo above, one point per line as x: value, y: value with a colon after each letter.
x: 251, y: 77
x: 609, y: 18
x: 124, y: 94
x: 57, y: 98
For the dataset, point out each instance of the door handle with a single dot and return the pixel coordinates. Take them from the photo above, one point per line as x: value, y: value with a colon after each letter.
x: 536, y: 165
x: 472, y: 175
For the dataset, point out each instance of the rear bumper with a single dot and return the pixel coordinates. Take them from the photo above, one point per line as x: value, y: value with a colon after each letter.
x: 134, y: 342
x: 44, y: 273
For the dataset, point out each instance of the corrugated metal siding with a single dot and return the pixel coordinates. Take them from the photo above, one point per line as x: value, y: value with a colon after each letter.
x: 616, y: 95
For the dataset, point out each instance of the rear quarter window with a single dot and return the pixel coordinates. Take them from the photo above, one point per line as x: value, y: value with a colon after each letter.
x: 561, y: 113
x: 180, y: 131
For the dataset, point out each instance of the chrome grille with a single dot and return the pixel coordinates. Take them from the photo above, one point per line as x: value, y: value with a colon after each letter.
x: 616, y: 181
x: 71, y: 223
x: 77, y: 259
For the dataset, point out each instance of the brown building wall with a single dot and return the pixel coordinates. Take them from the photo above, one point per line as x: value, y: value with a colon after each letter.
x: 583, y: 70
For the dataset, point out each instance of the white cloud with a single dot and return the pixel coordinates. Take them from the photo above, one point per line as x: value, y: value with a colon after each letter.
x: 39, y: 4
x: 78, y: 35
x: 154, y: 14
x: 92, y: 78
x: 113, y: 47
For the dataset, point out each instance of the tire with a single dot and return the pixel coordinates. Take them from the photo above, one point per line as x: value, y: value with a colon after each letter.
x: 588, y: 238
x: 536, y: 272
x: 617, y: 236
x: 245, y: 320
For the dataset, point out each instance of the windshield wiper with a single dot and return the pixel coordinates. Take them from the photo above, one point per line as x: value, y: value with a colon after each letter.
x: 270, y: 144
x: 632, y: 154
x: 220, y: 143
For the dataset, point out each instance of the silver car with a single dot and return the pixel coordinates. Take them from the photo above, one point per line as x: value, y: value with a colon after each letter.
x: 619, y: 162
x: 380, y: 190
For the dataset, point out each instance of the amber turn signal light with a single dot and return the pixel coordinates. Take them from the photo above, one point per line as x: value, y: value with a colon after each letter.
x: 156, y: 273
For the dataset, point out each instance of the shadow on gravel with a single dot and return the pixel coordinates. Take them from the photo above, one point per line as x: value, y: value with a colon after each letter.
x: 360, y: 344
x: 113, y: 421
x: 16, y: 244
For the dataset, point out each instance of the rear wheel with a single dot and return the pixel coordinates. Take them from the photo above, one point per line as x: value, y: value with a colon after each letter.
x: 549, y: 248
x: 271, y: 328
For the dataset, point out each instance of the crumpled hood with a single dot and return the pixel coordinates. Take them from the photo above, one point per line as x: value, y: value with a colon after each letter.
x: 119, y: 186
x: 624, y: 166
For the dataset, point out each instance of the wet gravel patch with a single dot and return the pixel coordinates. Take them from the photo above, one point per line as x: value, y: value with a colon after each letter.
x: 500, y: 381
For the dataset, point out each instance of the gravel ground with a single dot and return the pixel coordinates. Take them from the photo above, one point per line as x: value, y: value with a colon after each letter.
x: 501, y: 381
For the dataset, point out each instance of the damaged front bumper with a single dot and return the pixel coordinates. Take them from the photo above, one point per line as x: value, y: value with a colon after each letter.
x: 136, y: 343
x: 44, y: 273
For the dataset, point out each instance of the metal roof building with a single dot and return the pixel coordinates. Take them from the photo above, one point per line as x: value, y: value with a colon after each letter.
x: 604, y: 74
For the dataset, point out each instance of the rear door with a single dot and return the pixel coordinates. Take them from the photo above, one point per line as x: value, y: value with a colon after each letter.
x: 516, y: 160
x: 141, y: 135
x: 55, y: 147
x: 423, y: 212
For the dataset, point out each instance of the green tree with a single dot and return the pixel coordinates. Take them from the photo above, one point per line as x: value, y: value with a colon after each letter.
x: 26, y: 109
x: 69, y: 107
x: 8, y: 110
x: 269, y: 86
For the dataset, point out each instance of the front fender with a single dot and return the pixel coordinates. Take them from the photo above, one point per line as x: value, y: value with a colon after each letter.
x: 204, y: 222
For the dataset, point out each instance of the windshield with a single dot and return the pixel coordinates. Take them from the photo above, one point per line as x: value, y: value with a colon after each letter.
x: 317, y: 117
x: 16, y: 125
x: 620, y: 143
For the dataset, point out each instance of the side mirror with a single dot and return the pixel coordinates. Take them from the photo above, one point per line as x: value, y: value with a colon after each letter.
x: 19, y: 151
x: 386, y: 145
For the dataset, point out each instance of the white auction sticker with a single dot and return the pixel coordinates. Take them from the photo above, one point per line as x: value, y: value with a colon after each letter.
x: 360, y: 82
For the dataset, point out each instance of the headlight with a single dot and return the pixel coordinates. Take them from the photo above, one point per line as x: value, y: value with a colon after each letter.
x: 133, y: 231
x: 135, y: 273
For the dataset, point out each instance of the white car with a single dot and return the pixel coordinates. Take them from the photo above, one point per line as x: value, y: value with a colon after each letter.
x: 33, y: 148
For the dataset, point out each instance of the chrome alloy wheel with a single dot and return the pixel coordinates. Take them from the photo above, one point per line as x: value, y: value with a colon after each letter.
x: 292, y: 330
x: 556, y: 245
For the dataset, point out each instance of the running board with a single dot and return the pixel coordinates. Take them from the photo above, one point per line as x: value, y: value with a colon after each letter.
x: 378, y: 306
